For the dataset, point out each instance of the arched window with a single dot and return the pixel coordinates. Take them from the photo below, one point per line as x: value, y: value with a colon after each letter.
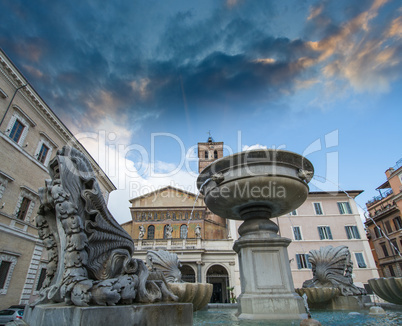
x: 165, y: 229
x: 206, y: 154
x: 151, y: 232
x: 183, y: 231
x: 215, y: 154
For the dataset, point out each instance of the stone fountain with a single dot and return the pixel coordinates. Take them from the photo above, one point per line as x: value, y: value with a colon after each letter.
x: 162, y: 261
x: 332, y: 285
x: 256, y: 186
x: 92, y: 278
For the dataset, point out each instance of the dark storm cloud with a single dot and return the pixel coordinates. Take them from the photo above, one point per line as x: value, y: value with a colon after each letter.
x: 124, y: 58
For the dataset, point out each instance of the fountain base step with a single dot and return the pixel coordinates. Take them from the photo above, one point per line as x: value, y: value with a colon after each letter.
x: 137, y: 314
x: 271, y: 307
x: 353, y: 302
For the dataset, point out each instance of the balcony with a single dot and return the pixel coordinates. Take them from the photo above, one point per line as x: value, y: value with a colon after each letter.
x: 377, y: 199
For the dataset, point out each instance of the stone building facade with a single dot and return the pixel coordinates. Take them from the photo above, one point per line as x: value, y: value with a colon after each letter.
x: 384, y: 223
x: 30, y: 135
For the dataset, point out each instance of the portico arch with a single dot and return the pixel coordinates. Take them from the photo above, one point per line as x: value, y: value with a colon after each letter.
x: 218, y: 276
x: 187, y: 273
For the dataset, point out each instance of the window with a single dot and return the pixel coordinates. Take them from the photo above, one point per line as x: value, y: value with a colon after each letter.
x: 16, y: 131
x: 384, y: 249
x: 24, y: 207
x: 302, y: 261
x: 18, y: 126
x: 391, y: 270
x: 378, y: 232
x: 186, y: 215
x: 151, y: 232
x: 41, y: 278
x: 352, y: 232
x: 388, y: 227
x: 297, y: 233
x: 397, y: 223
x: 165, y: 232
x: 4, y: 269
x: 183, y: 231
x: 360, y: 260
x: 215, y: 154
x: 43, y: 153
x: 324, y: 232
x: 318, y: 208
x: 7, y: 264
x: 344, y: 208
x: 293, y: 213
x: 206, y: 154
x: 394, y: 246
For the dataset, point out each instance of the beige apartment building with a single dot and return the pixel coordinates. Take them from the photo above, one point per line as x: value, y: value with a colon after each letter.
x: 326, y: 218
x: 30, y: 135
x: 384, y: 223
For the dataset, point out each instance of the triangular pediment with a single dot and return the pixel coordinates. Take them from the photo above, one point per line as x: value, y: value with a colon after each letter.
x: 167, y: 197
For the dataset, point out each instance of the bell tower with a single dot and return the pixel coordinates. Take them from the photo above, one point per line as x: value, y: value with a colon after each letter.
x: 209, y: 152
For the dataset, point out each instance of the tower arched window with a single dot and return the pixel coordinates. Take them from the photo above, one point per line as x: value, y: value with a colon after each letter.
x: 215, y: 154
x: 183, y: 231
x: 151, y: 232
x: 206, y: 154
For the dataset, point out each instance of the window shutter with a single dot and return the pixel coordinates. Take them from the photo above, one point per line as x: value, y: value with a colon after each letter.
x: 329, y: 232
x: 341, y: 210
x: 298, y: 261
x: 360, y: 260
x: 349, y: 210
x: 348, y: 231
x: 357, y: 234
x: 320, y: 232
x: 308, y: 262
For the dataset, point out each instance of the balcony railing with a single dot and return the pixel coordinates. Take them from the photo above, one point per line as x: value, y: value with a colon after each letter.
x: 376, y: 199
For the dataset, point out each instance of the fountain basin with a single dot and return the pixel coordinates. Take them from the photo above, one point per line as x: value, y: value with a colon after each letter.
x: 198, y: 294
x: 274, y: 180
x: 388, y: 288
x: 318, y: 295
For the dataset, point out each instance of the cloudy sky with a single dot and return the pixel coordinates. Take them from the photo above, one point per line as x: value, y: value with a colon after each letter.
x: 141, y: 82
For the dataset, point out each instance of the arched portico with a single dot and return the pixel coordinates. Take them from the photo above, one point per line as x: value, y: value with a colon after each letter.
x: 187, y: 273
x: 218, y: 276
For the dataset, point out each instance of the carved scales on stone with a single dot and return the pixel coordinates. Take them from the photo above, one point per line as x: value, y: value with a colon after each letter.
x: 90, y: 255
x: 333, y: 267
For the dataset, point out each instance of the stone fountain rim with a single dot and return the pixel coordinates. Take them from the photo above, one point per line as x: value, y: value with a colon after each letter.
x: 206, y: 173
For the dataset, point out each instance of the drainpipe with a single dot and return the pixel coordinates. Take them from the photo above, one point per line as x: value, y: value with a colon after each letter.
x: 9, y: 104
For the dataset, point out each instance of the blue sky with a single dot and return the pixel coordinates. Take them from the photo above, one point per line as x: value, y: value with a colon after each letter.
x: 141, y: 82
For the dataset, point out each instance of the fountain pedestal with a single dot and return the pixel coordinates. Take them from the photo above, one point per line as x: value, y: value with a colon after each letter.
x: 255, y: 186
x: 265, y: 275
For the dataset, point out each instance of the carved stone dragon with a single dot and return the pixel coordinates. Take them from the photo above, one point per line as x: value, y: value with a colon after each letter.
x: 90, y: 255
